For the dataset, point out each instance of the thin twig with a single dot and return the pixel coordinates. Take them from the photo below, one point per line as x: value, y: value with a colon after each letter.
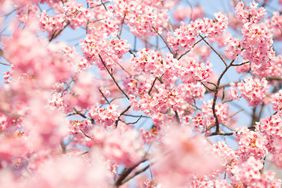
x: 104, y: 96
x: 79, y: 113
x: 177, y: 117
x: 103, y: 3
x: 6, y: 64
x: 216, y: 96
x: 86, y: 135
x: 152, y: 86
x: 121, y: 26
x: 254, y: 119
x: 132, y: 52
x: 57, y: 33
x: 234, y: 65
x: 212, y: 90
x: 134, y: 122
x: 220, y: 134
x: 189, y: 49
x: 136, y: 174
x: 113, y: 78
x: 123, y: 112
x: 126, y: 172
x: 214, y: 50
x: 135, y: 116
x: 164, y: 41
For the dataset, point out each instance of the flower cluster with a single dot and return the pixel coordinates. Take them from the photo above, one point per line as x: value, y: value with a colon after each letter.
x: 50, y: 70
x: 205, y: 119
x: 152, y: 62
x: 127, y: 151
x: 52, y: 24
x: 252, y: 143
x: 277, y: 101
x: 190, y: 70
x: 182, y: 13
x: 249, y: 173
x: 106, y: 116
x: 72, y: 172
x: 84, y: 92
x: 251, y: 14
x: 70, y: 13
x: 253, y: 90
x: 184, y: 37
x: 257, y: 44
x: 185, y: 154
x: 233, y: 47
x: 257, y: 37
x: 271, y: 127
x: 276, y: 23
x: 151, y: 21
x: 110, y: 50
x: 275, y: 67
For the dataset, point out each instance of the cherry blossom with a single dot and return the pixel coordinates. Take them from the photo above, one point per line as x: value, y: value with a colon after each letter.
x: 140, y: 93
x: 253, y: 90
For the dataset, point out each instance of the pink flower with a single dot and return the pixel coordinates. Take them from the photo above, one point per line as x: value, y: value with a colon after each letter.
x: 251, y: 143
x: 70, y: 171
x: 249, y: 173
x: 186, y: 12
x: 182, y: 156
x: 127, y: 151
x: 253, y: 90
x: 250, y: 13
x: 84, y: 92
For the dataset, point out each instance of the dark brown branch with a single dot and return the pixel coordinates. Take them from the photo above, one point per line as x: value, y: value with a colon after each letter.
x: 126, y: 172
x: 220, y: 134
x: 79, y: 113
x: 121, y: 26
x: 57, y: 33
x: 253, y: 120
x: 152, y: 86
x: 214, y: 50
x: 123, y: 112
x: 237, y: 65
x: 212, y: 90
x: 163, y: 39
x: 273, y: 79
x: 86, y: 135
x: 113, y: 78
x: 216, y: 96
x: 211, y: 83
x: 261, y: 111
x: 136, y: 174
x: 134, y: 122
x: 132, y: 52
x: 104, y: 5
x: 82, y: 115
x: 177, y: 117
x: 136, y: 116
x: 189, y: 49
x: 104, y: 96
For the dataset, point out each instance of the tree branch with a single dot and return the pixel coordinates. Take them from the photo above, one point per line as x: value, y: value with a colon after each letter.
x: 216, y: 96
x: 113, y: 78
x: 123, y: 112
x: 126, y: 172
x: 189, y: 49
x: 203, y: 38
